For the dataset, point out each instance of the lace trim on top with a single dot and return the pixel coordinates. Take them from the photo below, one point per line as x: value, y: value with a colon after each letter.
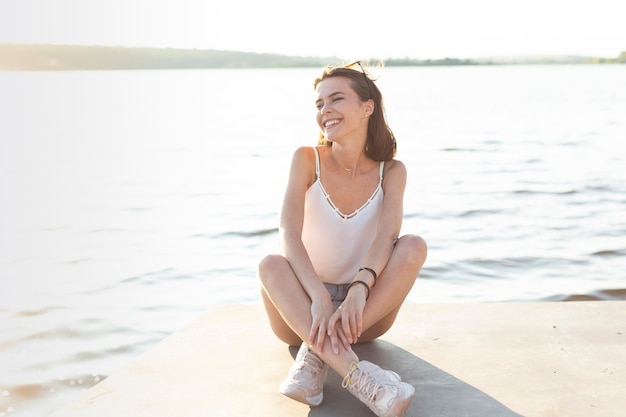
x: 330, y: 201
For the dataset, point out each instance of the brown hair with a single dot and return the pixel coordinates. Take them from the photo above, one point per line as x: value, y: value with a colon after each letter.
x: 381, y: 143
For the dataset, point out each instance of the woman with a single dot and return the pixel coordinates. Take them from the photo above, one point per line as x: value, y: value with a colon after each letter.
x: 344, y: 272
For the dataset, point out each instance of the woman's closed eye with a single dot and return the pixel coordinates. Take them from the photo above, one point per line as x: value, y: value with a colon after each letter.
x: 319, y: 106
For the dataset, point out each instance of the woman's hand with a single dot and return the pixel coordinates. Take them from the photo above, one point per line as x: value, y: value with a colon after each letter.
x: 321, y: 311
x: 346, y: 324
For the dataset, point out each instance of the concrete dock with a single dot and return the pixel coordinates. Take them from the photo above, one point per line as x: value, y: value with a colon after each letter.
x: 540, y: 359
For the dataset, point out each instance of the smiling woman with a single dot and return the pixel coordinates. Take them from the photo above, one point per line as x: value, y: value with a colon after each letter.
x: 342, y: 278
x: 512, y: 175
x: 380, y: 141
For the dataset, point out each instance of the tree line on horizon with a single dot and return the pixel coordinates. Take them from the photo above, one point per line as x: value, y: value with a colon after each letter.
x: 75, y: 57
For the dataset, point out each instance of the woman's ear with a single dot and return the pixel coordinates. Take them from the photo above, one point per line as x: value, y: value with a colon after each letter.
x: 369, y: 108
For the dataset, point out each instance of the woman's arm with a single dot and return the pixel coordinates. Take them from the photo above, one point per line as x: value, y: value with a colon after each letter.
x: 301, y: 176
x: 390, y: 223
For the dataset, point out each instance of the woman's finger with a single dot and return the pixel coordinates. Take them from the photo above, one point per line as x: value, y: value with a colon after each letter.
x: 345, y: 324
x: 331, y: 323
x: 312, y: 334
x: 343, y: 339
x: 359, y: 324
x: 334, y: 342
x: 354, y: 327
x: 321, y: 334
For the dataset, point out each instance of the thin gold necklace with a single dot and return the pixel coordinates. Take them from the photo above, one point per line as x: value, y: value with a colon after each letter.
x: 347, y: 169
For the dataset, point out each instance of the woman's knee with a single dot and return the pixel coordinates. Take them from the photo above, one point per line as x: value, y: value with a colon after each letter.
x: 270, y: 267
x: 380, y: 328
x: 414, y: 249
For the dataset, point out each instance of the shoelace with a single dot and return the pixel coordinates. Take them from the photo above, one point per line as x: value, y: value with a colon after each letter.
x: 364, y: 384
x: 314, y: 361
x: 311, y: 363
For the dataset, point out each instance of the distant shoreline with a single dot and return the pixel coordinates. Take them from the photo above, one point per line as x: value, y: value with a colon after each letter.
x: 16, y: 57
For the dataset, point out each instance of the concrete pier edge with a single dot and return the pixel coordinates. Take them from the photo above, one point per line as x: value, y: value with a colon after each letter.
x: 534, y: 359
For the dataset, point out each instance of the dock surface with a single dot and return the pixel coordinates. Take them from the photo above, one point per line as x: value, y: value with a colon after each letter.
x: 536, y: 359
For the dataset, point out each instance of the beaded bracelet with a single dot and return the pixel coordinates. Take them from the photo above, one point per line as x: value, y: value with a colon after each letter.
x: 371, y: 271
x: 362, y: 283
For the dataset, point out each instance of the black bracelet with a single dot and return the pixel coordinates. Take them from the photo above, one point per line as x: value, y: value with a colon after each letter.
x: 371, y: 271
x: 362, y: 283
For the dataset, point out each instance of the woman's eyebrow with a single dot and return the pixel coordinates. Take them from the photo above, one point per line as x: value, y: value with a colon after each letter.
x: 331, y: 95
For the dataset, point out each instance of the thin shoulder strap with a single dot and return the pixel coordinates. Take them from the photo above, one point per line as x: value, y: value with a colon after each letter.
x: 382, y: 169
x: 317, y: 163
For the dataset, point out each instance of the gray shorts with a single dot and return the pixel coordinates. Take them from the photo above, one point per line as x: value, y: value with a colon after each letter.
x: 337, y: 293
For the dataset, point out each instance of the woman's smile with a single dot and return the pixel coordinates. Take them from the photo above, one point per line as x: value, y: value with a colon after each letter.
x: 330, y: 123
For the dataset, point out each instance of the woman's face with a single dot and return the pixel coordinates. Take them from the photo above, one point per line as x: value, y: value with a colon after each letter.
x: 339, y: 109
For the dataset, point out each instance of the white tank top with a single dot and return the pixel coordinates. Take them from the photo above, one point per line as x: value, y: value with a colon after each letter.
x: 337, y: 243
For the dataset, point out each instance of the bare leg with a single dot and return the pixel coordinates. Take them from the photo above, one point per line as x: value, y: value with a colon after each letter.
x: 392, y: 286
x: 289, y: 307
x: 289, y: 310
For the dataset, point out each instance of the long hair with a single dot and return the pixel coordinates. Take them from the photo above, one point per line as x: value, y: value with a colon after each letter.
x: 381, y: 143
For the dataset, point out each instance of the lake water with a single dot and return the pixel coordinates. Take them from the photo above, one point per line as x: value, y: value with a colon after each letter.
x: 133, y: 201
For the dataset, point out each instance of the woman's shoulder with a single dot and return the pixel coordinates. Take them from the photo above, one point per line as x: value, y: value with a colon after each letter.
x: 394, y: 175
x: 304, y: 153
x: 303, y: 164
x: 310, y: 153
x: 395, y: 167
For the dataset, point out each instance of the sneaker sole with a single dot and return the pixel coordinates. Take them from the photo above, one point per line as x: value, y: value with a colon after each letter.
x: 402, y: 404
x: 299, y: 395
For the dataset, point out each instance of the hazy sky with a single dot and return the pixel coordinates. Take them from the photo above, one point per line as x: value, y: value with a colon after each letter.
x: 347, y: 29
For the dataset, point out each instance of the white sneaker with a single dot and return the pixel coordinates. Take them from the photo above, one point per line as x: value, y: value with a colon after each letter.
x: 382, y: 391
x: 305, y: 382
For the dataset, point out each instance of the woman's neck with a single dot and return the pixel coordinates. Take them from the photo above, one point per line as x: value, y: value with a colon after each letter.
x: 346, y: 159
